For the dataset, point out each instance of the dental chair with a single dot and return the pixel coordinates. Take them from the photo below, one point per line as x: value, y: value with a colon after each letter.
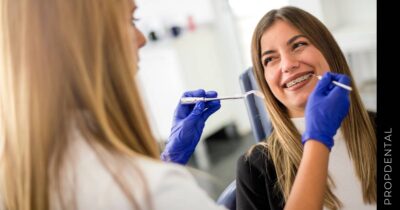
x: 260, y: 125
x: 259, y: 121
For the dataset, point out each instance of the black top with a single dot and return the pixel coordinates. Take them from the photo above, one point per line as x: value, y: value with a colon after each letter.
x: 255, y: 180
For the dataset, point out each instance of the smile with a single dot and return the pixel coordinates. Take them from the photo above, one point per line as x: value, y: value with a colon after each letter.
x: 298, y: 80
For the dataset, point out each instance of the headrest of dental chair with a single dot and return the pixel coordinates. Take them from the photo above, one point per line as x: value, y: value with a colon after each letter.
x: 259, y: 120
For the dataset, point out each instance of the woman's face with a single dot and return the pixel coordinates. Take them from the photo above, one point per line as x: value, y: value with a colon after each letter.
x: 289, y: 60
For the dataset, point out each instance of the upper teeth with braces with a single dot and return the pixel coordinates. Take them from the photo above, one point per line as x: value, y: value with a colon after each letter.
x: 299, y: 79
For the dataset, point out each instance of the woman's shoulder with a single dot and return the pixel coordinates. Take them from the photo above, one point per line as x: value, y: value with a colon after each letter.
x: 165, y: 183
x: 256, y: 158
x: 156, y: 171
x: 255, y: 153
x: 256, y: 179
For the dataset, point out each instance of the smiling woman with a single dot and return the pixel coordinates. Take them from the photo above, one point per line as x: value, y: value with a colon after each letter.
x: 289, y: 60
x: 290, y: 45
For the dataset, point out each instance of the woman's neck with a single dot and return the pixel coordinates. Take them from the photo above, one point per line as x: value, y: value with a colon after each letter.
x: 296, y: 113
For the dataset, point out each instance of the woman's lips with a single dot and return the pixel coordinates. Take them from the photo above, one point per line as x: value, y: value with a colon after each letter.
x: 299, y: 84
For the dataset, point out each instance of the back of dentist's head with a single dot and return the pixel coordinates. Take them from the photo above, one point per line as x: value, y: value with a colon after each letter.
x: 64, y: 60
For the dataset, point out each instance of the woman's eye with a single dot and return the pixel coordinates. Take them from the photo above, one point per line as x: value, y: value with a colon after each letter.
x: 299, y: 44
x: 267, y: 60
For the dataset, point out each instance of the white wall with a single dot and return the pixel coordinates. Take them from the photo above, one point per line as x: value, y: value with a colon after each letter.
x: 208, y: 57
x: 246, y: 15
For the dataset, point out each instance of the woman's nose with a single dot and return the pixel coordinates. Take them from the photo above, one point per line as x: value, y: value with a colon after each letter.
x: 289, y: 62
x: 140, y: 38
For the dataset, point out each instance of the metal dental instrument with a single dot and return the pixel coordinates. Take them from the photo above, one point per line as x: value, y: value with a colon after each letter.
x: 336, y: 83
x: 193, y: 100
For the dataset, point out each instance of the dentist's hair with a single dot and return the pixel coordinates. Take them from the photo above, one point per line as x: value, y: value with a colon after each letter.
x: 284, y: 145
x: 64, y: 61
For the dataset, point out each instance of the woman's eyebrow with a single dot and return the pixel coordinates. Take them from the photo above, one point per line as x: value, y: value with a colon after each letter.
x: 289, y: 42
x: 267, y: 52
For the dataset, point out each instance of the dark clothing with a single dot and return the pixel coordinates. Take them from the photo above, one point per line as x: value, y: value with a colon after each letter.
x: 256, y: 178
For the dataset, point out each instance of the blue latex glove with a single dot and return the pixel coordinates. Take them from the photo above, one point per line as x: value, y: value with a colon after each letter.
x: 187, y: 126
x: 326, y: 108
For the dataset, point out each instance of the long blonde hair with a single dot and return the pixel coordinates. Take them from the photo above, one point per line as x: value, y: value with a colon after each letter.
x: 283, y: 145
x: 63, y: 58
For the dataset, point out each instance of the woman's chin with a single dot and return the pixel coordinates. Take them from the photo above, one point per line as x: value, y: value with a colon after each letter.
x: 299, y: 100
x: 297, y: 107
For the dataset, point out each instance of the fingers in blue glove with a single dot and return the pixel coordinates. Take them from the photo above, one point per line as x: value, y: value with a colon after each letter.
x: 326, y: 108
x: 344, y: 79
x: 206, y: 109
x: 338, y: 90
x: 195, y: 93
x: 211, y: 111
x: 211, y: 94
x: 211, y: 104
x: 194, y: 110
x: 183, y: 110
x: 324, y: 84
x: 198, y: 108
x: 188, y: 126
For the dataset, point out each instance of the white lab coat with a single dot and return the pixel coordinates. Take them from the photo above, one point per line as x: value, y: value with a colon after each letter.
x: 170, y: 186
x: 87, y: 184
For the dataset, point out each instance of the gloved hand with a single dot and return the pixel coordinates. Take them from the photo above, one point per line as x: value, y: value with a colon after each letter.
x: 326, y: 108
x: 187, y: 126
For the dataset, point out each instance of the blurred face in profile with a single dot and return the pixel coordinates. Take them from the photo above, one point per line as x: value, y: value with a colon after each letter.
x: 289, y: 60
x: 138, y: 35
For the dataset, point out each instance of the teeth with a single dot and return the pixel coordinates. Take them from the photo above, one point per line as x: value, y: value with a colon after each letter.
x: 299, y: 79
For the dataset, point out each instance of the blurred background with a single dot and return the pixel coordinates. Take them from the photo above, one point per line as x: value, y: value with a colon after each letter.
x: 194, y: 44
